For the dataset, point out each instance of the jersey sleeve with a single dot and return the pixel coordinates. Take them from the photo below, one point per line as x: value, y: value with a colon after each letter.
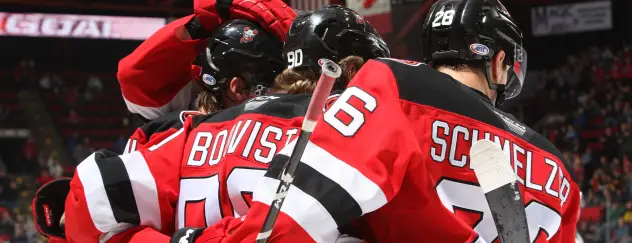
x: 156, y: 77
x: 157, y: 130
x: 353, y: 164
x: 112, y: 195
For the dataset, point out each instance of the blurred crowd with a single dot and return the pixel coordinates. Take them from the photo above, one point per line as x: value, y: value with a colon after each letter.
x: 589, y: 117
x: 17, y: 187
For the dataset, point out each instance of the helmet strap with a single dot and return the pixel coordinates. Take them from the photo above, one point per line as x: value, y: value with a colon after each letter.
x: 500, y: 88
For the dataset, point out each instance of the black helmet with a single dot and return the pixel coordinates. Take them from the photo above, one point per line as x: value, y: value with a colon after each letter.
x: 472, y: 30
x: 331, y: 32
x: 241, y: 48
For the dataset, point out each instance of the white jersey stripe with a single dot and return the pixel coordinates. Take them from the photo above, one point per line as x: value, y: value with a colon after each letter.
x: 96, y: 197
x: 302, y: 208
x: 166, y: 140
x: 367, y: 194
x: 144, y: 188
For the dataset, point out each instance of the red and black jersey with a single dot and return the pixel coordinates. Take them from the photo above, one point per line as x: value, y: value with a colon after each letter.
x: 392, y: 155
x: 190, y: 173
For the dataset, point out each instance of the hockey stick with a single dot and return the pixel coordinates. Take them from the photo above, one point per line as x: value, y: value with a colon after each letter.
x: 498, y: 182
x: 330, y: 71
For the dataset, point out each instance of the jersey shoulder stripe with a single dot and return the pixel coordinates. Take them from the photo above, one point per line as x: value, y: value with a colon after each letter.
x: 163, y: 123
x: 284, y: 106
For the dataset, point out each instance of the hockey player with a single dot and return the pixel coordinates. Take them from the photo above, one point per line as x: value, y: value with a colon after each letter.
x: 240, y: 61
x: 157, y: 77
x: 186, y: 179
x: 392, y: 153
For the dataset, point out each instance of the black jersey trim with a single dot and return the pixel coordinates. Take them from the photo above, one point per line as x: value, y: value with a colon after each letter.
x: 118, y: 188
x: 342, y: 207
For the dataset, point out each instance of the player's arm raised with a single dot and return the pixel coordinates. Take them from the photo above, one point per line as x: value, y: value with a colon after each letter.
x: 156, y: 77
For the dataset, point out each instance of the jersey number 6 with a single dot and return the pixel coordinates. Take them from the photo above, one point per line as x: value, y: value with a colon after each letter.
x: 355, y: 118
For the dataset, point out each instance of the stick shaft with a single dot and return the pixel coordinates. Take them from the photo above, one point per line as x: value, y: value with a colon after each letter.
x: 330, y: 71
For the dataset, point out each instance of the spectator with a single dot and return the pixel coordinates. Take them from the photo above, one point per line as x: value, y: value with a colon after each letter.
x: 598, y: 74
x: 120, y: 143
x: 73, y: 117
x: 55, y: 168
x: 587, y: 157
x: 29, y: 150
x: 31, y: 231
x: 615, y: 73
x: 45, y: 82
x: 57, y: 84
x: 94, y: 84
x: 73, y: 141
x: 43, y: 178
x: 627, y: 217
x: 622, y: 232
x: 20, y: 234
x: 7, y: 225
x: 83, y: 150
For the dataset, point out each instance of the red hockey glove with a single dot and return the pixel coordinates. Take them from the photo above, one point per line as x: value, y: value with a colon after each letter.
x: 273, y: 15
x: 48, y: 208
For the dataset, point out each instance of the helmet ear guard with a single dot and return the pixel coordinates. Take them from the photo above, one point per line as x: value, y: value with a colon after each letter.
x: 240, y: 49
x: 473, y: 30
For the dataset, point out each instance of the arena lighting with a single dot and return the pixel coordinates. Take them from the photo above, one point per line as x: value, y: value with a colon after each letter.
x: 78, y: 26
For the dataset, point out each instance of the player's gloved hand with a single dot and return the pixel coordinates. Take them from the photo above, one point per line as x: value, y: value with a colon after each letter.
x: 48, y: 208
x: 273, y: 15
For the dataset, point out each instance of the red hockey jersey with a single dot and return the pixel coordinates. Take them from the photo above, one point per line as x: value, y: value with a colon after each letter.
x: 393, y: 154
x: 157, y: 130
x: 156, y: 78
x: 190, y: 174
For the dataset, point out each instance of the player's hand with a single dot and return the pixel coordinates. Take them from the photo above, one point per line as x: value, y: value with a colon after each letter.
x: 48, y: 208
x: 273, y: 15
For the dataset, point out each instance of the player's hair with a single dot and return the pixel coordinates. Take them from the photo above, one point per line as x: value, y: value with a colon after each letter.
x: 206, y: 102
x: 292, y: 82
x: 303, y: 81
x: 460, y: 65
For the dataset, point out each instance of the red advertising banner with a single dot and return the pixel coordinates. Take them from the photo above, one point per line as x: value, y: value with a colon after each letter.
x: 377, y: 12
x: 78, y: 26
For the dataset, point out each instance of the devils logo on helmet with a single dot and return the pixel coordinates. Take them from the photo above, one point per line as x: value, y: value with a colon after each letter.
x: 248, y: 35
